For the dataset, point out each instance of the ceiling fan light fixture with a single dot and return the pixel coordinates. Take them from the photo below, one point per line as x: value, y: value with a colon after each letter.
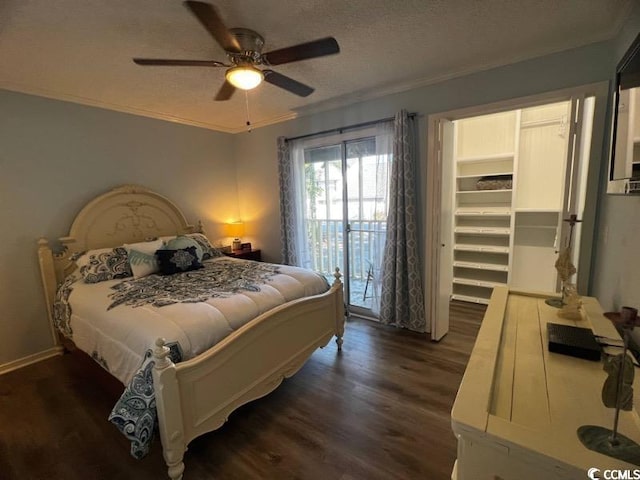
x: 244, y: 77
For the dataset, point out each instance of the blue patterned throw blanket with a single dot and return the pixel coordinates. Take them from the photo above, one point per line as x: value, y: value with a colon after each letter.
x: 135, y: 413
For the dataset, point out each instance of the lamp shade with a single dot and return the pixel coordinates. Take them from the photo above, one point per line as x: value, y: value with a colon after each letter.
x: 244, y: 77
x: 235, y: 229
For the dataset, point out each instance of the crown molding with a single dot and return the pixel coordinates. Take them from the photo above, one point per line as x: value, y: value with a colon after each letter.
x: 90, y: 102
x: 401, y: 87
x: 320, y: 106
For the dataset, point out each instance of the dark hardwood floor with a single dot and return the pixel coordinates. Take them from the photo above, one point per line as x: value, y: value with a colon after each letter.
x: 379, y: 410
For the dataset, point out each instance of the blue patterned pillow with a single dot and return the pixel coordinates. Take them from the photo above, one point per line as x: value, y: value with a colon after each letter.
x: 207, y: 250
x: 177, y: 261
x: 142, y: 257
x: 104, y: 264
x: 181, y: 242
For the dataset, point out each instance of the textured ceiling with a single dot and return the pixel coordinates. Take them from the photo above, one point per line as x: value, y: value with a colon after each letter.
x: 81, y: 50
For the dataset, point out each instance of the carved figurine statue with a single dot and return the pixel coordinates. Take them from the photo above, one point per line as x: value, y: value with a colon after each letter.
x: 564, y: 266
x: 571, y: 304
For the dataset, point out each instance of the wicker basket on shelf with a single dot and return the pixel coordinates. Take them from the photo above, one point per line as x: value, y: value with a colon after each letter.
x: 495, y: 182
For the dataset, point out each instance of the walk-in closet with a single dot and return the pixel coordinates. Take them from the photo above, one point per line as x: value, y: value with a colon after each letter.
x: 515, y: 179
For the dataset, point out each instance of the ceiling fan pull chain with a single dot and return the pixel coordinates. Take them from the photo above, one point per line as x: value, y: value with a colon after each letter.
x: 246, y: 98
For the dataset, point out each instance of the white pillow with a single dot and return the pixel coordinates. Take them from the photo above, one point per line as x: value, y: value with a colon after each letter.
x: 142, y: 257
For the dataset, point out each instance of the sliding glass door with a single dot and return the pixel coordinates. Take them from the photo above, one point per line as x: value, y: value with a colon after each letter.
x: 346, y: 188
x: 324, y: 209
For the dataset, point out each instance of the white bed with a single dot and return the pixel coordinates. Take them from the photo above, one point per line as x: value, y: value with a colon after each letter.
x: 196, y: 395
x: 117, y: 325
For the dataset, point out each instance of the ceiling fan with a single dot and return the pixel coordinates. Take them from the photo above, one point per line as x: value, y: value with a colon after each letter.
x: 244, y: 52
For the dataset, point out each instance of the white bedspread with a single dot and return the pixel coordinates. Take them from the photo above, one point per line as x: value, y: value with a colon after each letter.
x: 118, y: 337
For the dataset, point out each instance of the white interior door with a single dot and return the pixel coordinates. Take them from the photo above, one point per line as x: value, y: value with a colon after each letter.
x: 582, y: 111
x: 440, y: 307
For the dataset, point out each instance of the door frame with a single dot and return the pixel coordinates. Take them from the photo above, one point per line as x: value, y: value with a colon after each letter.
x: 433, y: 194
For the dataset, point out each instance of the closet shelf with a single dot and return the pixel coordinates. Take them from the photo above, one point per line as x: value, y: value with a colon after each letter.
x: 486, y: 158
x: 466, y: 247
x: 477, y: 283
x: 480, y: 175
x: 543, y: 123
x: 467, y: 298
x: 481, y: 266
x: 537, y: 227
x: 536, y: 210
x: 504, y: 190
x: 483, y: 211
x: 483, y: 230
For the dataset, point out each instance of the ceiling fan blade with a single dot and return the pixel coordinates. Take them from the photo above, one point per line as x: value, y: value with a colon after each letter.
x: 161, y: 62
x: 303, y: 51
x: 225, y: 92
x: 209, y: 18
x: 289, y: 84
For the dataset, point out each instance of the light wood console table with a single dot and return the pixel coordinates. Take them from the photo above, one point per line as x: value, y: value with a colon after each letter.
x: 519, y: 406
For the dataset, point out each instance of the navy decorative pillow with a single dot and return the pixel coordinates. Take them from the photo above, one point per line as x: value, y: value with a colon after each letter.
x: 177, y: 261
x: 181, y: 242
x: 104, y: 264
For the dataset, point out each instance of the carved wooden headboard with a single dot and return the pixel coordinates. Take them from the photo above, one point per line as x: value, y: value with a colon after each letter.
x: 126, y: 214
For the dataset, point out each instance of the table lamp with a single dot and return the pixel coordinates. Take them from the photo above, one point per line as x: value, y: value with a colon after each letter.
x: 236, y: 230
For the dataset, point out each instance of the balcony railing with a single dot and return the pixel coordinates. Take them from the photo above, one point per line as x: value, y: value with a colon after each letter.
x: 366, y: 243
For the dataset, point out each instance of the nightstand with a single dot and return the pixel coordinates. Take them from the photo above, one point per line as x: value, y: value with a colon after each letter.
x: 246, y: 255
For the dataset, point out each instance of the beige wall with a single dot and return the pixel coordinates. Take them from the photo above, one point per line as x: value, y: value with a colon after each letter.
x: 55, y: 156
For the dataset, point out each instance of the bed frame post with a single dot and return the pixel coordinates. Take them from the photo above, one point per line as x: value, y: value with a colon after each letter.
x: 339, y: 310
x: 169, y: 410
x: 49, y: 283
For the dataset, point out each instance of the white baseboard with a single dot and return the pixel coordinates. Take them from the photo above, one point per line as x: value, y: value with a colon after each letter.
x: 36, y: 357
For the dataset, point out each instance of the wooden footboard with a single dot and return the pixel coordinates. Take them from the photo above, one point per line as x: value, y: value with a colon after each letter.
x: 197, y: 396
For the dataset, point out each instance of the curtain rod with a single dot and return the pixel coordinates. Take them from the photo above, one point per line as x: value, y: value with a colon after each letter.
x: 348, y: 127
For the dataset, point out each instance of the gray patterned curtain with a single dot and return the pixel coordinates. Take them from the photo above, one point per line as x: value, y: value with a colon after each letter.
x: 295, y: 248
x: 287, y: 203
x: 402, y: 298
